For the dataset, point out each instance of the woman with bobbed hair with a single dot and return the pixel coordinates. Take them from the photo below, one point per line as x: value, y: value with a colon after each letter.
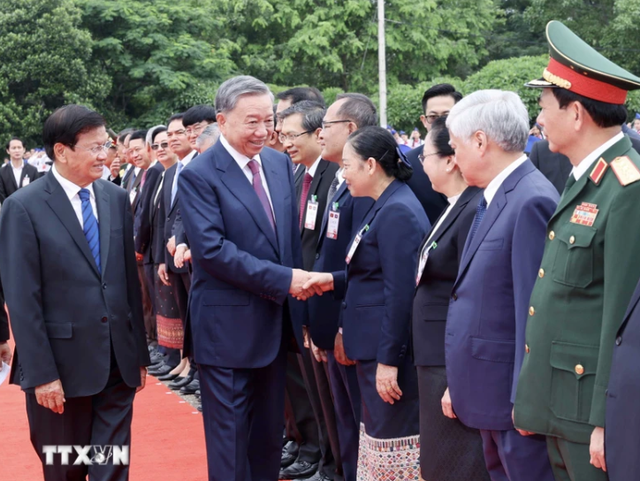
x: 377, y: 288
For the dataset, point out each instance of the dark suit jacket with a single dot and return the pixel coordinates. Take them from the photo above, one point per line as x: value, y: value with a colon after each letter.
x: 4, y: 322
x: 324, y: 175
x: 157, y: 244
x: 324, y: 311
x: 432, y: 202
x: 484, y: 340
x: 144, y: 211
x: 8, y: 181
x: 170, y: 213
x: 242, y: 269
x: 431, y: 301
x: 377, y: 305
x: 127, y: 175
x: 65, y: 314
x: 557, y: 167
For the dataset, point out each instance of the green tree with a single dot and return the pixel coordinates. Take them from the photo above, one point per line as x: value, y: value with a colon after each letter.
x: 44, y: 63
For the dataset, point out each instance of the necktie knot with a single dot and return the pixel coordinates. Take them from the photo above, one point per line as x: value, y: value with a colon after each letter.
x: 84, y: 195
x: 254, y: 166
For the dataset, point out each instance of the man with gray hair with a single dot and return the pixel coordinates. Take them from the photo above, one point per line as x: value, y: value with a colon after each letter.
x: 489, y: 306
x: 208, y: 137
x: 239, y: 212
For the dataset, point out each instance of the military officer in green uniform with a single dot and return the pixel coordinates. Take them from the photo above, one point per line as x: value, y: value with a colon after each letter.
x: 591, y: 261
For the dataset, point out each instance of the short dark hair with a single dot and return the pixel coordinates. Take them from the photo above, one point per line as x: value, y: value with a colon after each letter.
x: 439, y: 135
x: 299, y: 94
x: 378, y: 143
x: 312, y: 114
x: 11, y: 140
x: 139, y: 134
x: 359, y: 109
x: 122, y: 135
x: 179, y: 116
x: 155, y: 133
x: 440, y: 90
x: 197, y: 114
x: 604, y: 115
x: 66, y: 124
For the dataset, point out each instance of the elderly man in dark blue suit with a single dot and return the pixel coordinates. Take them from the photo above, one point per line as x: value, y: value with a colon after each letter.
x: 484, y: 342
x: 238, y: 206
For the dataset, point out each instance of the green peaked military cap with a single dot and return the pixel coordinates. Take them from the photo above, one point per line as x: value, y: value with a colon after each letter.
x: 576, y: 66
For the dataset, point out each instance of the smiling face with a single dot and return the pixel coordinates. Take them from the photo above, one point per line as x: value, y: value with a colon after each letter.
x: 357, y: 173
x: 303, y: 149
x: 78, y: 164
x: 163, y: 153
x: 249, y: 125
x: 335, y: 132
x: 138, y: 153
x: 178, y: 141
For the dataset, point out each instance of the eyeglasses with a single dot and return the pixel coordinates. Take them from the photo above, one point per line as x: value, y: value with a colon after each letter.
x: 283, y: 138
x: 431, y: 118
x: 97, y: 150
x: 164, y: 145
x: 423, y: 157
x: 176, y: 133
x: 324, y: 124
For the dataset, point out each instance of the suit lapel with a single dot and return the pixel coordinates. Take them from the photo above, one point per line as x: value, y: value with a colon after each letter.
x: 9, y: 174
x: 168, y: 183
x: 61, y: 206
x: 104, y: 222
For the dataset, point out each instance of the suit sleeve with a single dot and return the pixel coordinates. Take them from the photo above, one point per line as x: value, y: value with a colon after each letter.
x: 20, y: 270
x: 143, y: 235
x: 4, y: 322
x: 621, y: 273
x: 221, y: 258
x: 3, y: 190
x: 529, y: 236
x: 398, y: 226
x: 134, y: 292
x: 178, y: 229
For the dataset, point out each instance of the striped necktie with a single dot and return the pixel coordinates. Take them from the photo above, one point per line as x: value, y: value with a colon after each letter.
x: 90, y: 226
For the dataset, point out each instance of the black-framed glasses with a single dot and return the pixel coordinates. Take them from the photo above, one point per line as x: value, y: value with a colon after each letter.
x: 431, y: 118
x: 97, y: 150
x: 324, y: 124
x: 164, y: 145
x: 423, y: 157
x: 283, y: 138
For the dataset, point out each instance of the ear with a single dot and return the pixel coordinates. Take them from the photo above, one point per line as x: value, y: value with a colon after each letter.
x: 371, y: 165
x: 450, y: 163
x: 222, y: 122
x: 352, y: 127
x: 579, y: 115
x: 317, y: 134
x: 481, y: 141
x: 59, y: 152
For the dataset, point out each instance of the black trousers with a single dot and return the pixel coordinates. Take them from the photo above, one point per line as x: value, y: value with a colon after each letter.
x: 103, y: 419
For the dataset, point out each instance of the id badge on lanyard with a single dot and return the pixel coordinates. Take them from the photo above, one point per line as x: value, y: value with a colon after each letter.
x: 355, y: 243
x: 333, y: 222
x: 312, y: 213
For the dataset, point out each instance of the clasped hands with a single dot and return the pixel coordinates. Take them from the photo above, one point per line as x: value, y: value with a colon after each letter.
x: 307, y: 284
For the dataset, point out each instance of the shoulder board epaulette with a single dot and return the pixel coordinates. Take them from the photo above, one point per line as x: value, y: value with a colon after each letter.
x: 598, y: 171
x: 626, y: 171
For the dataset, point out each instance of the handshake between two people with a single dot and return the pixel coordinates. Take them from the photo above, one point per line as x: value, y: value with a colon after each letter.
x: 308, y: 284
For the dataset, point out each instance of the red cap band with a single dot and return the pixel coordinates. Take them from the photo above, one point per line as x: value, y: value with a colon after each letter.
x: 583, y: 85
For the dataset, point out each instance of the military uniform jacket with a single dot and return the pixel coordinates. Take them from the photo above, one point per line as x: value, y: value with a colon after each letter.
x: 589, y: 269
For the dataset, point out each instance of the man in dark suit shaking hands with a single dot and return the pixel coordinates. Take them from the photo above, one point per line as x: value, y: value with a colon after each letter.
x: 238, y: 206
x: 71, y: 285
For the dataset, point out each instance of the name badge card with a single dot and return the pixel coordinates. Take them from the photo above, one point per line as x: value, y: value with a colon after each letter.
x: 334, y: 222
x: 355, y: 243
x: 132, y: 195
x: 312, y: 213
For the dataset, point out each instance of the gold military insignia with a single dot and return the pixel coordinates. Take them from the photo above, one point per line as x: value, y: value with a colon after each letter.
x: 626, y: 171
x: 598, y: 171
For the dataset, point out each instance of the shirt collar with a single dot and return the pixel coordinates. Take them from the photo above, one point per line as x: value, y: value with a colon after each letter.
x: 69, y: 187
x: 241, y: 159
x: 579, y: 170
x: 339, y: 176
x: 452, y: 200
x: 188, y: 158
x: 491, y: 190
x: 312, y: 170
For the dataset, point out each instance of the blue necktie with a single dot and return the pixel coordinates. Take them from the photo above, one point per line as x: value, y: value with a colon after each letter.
x: 480, y: 211
x: 174, y: 188
x: 90, y: 226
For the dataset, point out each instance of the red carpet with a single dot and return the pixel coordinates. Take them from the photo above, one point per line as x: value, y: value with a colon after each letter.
x: 167, y: 444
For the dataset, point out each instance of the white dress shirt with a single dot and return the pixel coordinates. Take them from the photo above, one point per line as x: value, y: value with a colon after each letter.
x: 579, y: 170
x: 17, y: 173
x: 494, y: 185
x: 312, y: 170
x: 339, y: 176
x: 188, y: 158
x: 72, y: 191
x: 243, y: 162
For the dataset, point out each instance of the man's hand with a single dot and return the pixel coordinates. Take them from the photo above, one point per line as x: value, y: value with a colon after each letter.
x: 596, y: 449
x: 143, y: 379
x: 387, y: 383
x: 178, y: 257
x: 162, y: 274
x: 51, y: 396
x: 298, y: 280
x: 319, y: 354
x: 187, y: 255
x: 447, y: 407
x: 115, y: 168
x: 171, y: 245
x: 521, y: 431
x: 318, y: 283
x: 305, y: 337
x: 5, y: 352
x: 338, y: 352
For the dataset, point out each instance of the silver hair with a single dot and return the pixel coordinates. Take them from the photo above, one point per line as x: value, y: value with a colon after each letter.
x: 211, y: 132
x: 500, y: 114
x: 231, y: 90
x: 149, y: 138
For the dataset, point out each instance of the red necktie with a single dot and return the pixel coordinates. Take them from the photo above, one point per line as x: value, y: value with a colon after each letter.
x: 306, y: 185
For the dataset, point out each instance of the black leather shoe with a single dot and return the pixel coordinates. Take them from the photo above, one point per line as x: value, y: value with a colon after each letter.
x: 179, y: 382
x: 190, y: 388
x: 160, y: 370
x: 289, y: 454
x: 156, y: 357
x: 299, y: 470
x: 199, y: 408
x: 319, y: 476
x: 167, y: 377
